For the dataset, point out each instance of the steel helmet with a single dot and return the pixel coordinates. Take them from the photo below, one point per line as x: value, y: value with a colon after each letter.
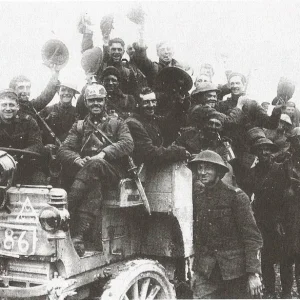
x: 95, y: 91
x: 70, y: 86
x: 286, y: 118
x: 211, y: 157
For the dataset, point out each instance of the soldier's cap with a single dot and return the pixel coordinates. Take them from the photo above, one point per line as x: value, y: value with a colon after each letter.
x: 111, y: 71
x: 286, y: 118
x: 91, y: 60
x: 263, y: 141
x: 70, y: 86
x: 93, y: 91
x: 211, y: 157
x: 173, y: 75
x: 205, y: 87
x: 8, y: 93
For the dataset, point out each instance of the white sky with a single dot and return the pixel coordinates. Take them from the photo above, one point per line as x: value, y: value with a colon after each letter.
x: 261, y: 35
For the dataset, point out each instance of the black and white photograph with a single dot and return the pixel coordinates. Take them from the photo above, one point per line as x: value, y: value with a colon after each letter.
x: 149, y: 150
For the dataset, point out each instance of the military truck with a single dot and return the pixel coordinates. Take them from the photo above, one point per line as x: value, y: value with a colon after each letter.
x: 130, y: 254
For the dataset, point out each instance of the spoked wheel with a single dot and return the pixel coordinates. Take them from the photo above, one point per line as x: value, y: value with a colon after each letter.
x: 139, y: 280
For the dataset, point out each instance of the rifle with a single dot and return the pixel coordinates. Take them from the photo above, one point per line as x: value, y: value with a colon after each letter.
x: 54, y: 166
x: 132, y: 169
x: 50, y: 131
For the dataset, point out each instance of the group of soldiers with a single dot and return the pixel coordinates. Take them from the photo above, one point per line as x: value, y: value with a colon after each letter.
x: 245, y: 161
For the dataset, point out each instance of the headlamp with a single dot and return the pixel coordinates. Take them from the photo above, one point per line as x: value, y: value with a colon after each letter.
x: 53, y: 219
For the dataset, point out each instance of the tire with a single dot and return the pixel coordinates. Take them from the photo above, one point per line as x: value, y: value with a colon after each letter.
x: 140, y: 279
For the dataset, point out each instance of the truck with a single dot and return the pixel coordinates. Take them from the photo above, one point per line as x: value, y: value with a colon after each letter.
x: 130, y: 254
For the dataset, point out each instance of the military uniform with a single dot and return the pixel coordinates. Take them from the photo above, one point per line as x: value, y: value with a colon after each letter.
x: 253, y: 116
x: 148, y: 142
x: 61, y: 123
x: 270, y: 208
x: 227, y: 243
x: 24, y: 133
x: 99, y: 173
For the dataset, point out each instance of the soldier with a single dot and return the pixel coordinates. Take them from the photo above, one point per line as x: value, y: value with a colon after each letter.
x: 227, y: 240
x: 165, y: 53
x: 205, y: 94
x: 279, y: 136
x: 61, y: 116
x: 113, y: 51
x: 292, y: 111
x: 20, y: 131
x: 268, y: 182
x: 172, y: 86
x: 98, y: 164
x: 117, y: 103
x: 123, y: 105
x: 146, y: 133
x: 253, y: 116
x: 202, y: 78
x: 209, y: 137
x: 22, y: 87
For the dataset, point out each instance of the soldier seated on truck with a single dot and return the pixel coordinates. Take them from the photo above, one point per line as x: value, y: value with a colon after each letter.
x: 98, y: 163
x: 147, y: 137
x: 20, y: 132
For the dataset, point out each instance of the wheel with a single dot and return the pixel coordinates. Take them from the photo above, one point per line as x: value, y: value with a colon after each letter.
x: 140, y: 279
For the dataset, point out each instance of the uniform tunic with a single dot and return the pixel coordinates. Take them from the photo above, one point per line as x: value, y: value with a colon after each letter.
x: 226, y: 235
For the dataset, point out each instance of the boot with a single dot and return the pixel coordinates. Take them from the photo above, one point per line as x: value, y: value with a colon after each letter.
x: 84, y: 223
x: 76, y: 194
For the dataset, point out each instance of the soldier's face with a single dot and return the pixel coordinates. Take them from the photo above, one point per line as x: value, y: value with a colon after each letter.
x: 165, y: 53
x: 116, y: 52
x: 202, y: 78
x: 130, y: 51
x: 66, y: 94
x: 111, y: 83
x: 263, y: 153
x: 213, y: 126
x: 95, y: 106
x: 23, y: 89
x: 236, y: 85
x: 207, y: 173
x: 149, y: 106
x: 210, y: 98
x: 290, y: 111
x: 8, y: 109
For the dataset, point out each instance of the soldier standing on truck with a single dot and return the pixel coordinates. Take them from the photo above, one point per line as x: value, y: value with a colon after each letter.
x: 22, y: 87
x: 226, y: 238
x: 98, y: 164
x: 62, y: 115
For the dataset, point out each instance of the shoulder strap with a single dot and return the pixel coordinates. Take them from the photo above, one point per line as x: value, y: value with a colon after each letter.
x: 80, y: 126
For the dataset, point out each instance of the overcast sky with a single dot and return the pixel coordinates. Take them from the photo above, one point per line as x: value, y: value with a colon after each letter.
x: 262, y: 36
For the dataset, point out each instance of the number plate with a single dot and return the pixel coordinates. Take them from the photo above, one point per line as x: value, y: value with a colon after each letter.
x: 17, y: 239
